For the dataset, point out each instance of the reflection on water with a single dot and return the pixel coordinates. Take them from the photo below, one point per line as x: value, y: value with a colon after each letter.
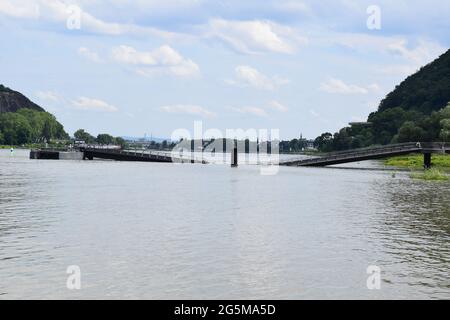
x: 159, y: 231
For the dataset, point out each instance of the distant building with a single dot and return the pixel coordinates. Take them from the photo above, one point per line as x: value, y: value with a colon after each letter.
x: 79, y: 142
x: 310, y: 145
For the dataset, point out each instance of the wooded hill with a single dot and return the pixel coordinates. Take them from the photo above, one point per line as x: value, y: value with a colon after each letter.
x: 22, y: 121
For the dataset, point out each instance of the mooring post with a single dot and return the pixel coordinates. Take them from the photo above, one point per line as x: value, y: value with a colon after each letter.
x: 427, y: 160
x: 234, y: 155
x: 193, y: 151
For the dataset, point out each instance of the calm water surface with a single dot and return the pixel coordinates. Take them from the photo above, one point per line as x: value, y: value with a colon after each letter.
x: 163, y: 231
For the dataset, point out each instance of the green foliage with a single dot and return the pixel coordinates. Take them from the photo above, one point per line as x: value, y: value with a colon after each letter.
x: 444, y: 123
x: 425, y: 91
x: 29, y: 126
x: 409, y: 131
x: 121, y: 142
x: 105, y: 139
x: 430, y: 175
x: 324, y: 142
x: 440, y: 161
x: 295, y: 145
x: 84, y: 136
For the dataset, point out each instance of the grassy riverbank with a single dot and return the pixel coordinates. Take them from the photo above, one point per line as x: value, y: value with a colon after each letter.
x: 415, y: 161
x: 34, y: 146
x: 31, y: 146
x: 431, y: 175
x: 439, y: 172
x: 8, y: 147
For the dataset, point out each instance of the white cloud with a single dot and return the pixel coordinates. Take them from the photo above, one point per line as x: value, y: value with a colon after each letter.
x: 59, y: 11
x: 415, y: 57
x: 84, y: 103
x: 333, y: 85
x: 374, y: 87
x: 278, y: 106
x: 157, y: 6
x: 188, y: 109
x: 250, y: 77
x: 163, y: 60
x: 255, y: 36
x: 255, y: 111
x: 19, y: 8
x: 412, y: 57
x: 261, y: 111
x: 424, y: 52
x: 293, y: 6
x: 89, y: 54
x: 49, y: 96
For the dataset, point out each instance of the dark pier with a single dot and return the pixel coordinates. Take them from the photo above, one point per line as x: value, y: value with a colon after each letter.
x: 121, y: 155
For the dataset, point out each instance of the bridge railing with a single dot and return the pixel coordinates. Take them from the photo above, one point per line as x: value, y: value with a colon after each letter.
x: 410, y: 146
x: 436, y: 145
x: 100, y: 147
x: 376, y: 148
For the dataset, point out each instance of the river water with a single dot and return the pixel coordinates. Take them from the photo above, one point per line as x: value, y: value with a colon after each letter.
x: 165, y: 231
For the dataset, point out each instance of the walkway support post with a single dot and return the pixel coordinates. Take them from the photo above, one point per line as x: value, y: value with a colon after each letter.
x: 427, y: 160
x: 234, y: 155
x: 193, y: 151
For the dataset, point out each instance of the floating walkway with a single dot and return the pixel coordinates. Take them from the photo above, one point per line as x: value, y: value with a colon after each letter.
x: 356, y: 155
x: 98, y: 152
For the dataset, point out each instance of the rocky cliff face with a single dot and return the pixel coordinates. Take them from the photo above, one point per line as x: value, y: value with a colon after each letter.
x: 11, y: 101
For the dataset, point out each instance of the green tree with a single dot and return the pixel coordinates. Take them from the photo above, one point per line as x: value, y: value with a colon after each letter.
x: 342, y: 140
x: 121, y: 142
x: 324, y: 142
x: 15, y: 127
x: 44, y: 125
x: 28, y: 126
x: 105, y: 139
x: 82, y: 135
x: 410, y: 132
x: 445, y: 112
x: 445, y: 131
x: 47, y: 131
x: 385, y: 124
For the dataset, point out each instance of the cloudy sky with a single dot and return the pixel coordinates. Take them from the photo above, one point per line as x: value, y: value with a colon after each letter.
x: 135, y: 67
